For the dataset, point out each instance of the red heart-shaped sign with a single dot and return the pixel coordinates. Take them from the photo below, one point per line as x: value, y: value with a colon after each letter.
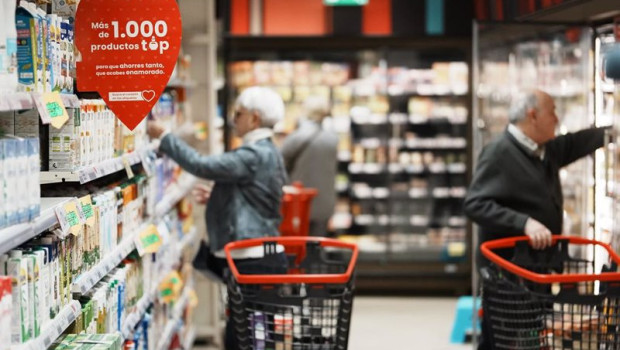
x: 128, y: 51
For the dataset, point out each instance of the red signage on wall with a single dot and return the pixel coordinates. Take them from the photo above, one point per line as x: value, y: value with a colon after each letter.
x: 128, y: 49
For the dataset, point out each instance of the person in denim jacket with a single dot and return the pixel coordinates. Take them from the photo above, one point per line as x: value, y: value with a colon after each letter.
x: 245, y: 200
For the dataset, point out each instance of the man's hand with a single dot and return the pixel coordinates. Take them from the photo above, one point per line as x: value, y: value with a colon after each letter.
x: 540, y: 236
x: 155, y: 129
x: 201, y: 193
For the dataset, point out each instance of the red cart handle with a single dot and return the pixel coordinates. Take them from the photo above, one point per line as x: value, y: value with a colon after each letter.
x: 291, y: 278
x: 487, y: 247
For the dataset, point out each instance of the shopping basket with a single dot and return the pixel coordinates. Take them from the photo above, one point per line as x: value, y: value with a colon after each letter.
x: 296, y: 205
x: 564, y: 297
x: 304, y: 305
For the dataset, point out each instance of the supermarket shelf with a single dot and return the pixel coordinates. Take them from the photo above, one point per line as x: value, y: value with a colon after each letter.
x: 190, y: 338
x: 413, y: 193
x: 432, y: 92
x: 55, y: 328
x: 133, y: 318
x: 175, y: 193
x: 14, y: 236
x: 327, y: 43
x: 429, y: 253
x: 93, y: 172
x: 26, y: 100
x: 88, y: 279
x: 173, y: 324
x: 147, y: 299
x: 437, y: 143
x: 425, y: 120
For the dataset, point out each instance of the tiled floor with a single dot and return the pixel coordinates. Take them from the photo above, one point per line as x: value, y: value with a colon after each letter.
x: 397, y: 323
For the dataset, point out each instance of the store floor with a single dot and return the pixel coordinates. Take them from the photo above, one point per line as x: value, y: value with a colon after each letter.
x: 400, y: 323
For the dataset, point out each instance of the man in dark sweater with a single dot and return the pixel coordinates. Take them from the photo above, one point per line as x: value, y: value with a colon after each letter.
x: 516, y: 187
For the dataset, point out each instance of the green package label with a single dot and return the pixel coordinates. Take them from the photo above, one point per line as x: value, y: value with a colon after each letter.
x: 73, y: 219
x: 88, y: 211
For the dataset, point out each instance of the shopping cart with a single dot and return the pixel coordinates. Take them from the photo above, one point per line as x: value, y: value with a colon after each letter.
x: 305, y: 305
x: 295, y: 209
x: 552, y: 298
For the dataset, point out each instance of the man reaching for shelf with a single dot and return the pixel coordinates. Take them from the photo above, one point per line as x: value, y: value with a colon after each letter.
x: 516, y: 187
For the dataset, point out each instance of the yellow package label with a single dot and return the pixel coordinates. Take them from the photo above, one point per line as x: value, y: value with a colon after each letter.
x: 148, y: 241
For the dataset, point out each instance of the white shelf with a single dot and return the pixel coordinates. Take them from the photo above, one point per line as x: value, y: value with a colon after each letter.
x: 55, y: 328
x: 147, y: 299
x: 174, y: 322
x: 131, y: 321
x: 188, y: 343
x: 25, y: 100
x: 93, y: 172
x: 14, y: 236
x: 87, y: 280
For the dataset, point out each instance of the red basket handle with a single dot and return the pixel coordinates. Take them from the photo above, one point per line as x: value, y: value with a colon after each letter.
x: 487, y: 247
x: 291, y: 278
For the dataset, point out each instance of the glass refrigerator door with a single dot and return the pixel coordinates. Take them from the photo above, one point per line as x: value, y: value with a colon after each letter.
x: 607, y: 109
x: 523, y: 57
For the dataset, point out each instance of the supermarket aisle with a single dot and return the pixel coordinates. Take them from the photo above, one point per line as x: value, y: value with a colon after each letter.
x: 400, y: 322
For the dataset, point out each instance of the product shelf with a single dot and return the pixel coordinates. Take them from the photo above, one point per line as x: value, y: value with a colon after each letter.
x: 147, y: 299
x: 26, y: 100
x: 14, y: 236
x: 131, y: 321
x: 174, y: 323
x: 189, y: 338
x: 93, y: 172
x: 87, y: 280
x: 54, y: 329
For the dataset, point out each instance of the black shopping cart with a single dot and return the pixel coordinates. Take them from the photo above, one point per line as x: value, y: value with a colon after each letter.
x: 303, y: 305
x: 555, y: 298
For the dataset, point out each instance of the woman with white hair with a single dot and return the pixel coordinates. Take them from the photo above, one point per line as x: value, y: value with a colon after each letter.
x: 245, y: 200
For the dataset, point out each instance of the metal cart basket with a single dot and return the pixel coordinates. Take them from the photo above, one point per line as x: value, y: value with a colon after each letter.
x: 546, y: 299
x: 303, y: 303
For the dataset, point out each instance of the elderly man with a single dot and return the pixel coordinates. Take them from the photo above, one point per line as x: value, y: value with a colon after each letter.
x: 516, y: 187
x: 245, y: 201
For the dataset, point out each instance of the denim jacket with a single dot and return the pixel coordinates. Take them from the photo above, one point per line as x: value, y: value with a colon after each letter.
x: 245, y: 200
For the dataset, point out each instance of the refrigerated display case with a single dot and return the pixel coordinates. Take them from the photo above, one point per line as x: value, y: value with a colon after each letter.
x: 607, y: 167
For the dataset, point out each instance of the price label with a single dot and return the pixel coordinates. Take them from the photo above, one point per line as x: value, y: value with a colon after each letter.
x: 51, y: 109
x: 170, y: 287
x: 148, y: 241
x: 87, y: 209
x: 128, y: 167
x: 69, y: 218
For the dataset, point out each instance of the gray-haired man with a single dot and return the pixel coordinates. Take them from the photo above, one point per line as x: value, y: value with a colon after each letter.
x: 516, y: 188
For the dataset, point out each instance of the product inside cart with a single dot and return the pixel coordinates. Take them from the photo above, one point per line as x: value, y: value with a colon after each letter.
x: 306, y: 305
x: 548, y: 299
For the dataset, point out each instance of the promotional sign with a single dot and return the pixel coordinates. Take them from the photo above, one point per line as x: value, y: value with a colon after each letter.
x: 127, y: 51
